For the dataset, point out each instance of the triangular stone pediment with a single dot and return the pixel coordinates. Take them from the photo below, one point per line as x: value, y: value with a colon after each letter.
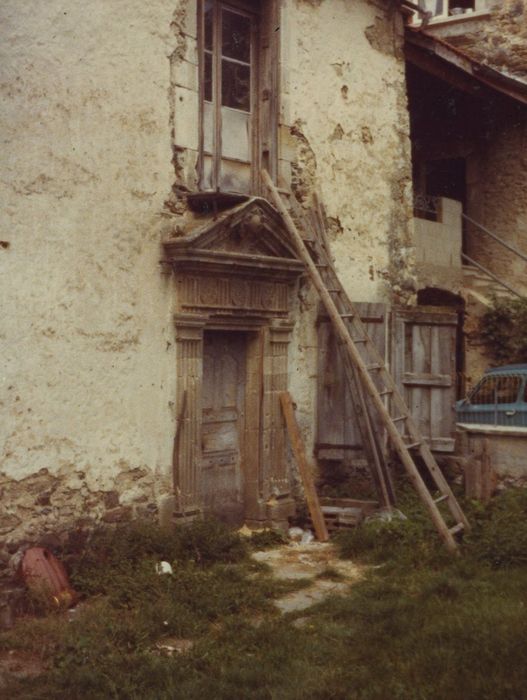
x: 253, y: 229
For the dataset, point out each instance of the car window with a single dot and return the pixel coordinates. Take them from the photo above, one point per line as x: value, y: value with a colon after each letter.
x: 496, y: 390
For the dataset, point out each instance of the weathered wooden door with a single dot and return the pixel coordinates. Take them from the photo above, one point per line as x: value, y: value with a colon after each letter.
x: 223, y: 424
x: 338, y: 436
x: 424, y: 367
x: 422, y: 345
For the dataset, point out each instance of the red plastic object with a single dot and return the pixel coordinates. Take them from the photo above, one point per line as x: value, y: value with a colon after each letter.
x: 44, y: 575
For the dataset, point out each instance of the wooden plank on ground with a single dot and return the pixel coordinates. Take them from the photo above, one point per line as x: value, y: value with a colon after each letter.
x: 297, y: 444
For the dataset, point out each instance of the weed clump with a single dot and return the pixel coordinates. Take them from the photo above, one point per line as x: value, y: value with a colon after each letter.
x: 408, y: 540
x: 266, y: 539
x: 499, y: 533
x: 118, y: 553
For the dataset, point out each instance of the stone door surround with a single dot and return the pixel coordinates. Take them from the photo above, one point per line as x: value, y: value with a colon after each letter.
x: 236, y: 273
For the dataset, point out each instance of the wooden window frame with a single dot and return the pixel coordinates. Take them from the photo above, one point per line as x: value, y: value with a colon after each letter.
x: 217, y: 156
x: 479, y: 6
x: 265, y: 91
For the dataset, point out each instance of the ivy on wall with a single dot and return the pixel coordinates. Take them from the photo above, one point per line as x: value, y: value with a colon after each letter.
x: 502, y: 331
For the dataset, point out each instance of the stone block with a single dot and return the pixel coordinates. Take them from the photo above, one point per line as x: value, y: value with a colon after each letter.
x: 118, y: 515
x: 185, y: 74
x: 186, y: 118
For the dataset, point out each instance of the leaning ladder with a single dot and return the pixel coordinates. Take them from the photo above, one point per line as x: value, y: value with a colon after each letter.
x: 351, y: 333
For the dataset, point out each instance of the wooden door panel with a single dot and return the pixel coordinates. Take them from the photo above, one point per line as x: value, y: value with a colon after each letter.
x: 424, y: 355
x: 337, y: 433
x: 223, y: 406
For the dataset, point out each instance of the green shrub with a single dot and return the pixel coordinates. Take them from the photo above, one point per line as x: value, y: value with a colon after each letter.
x: 503, y: 331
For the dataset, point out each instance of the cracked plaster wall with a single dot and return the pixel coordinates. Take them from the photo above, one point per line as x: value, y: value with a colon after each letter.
x: 86, y: 332
x: 345, y: 122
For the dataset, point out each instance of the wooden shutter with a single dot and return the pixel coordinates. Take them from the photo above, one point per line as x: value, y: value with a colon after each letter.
x: 424, y: 357
x: 338, y: 437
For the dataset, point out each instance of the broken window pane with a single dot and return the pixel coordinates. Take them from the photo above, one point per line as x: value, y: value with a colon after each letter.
x: 236, y: 36
x: 235, y: 85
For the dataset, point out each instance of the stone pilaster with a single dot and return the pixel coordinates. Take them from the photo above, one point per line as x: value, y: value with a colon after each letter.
x: 187, y: 459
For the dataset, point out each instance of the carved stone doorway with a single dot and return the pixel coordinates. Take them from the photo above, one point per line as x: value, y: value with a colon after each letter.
x: 235, y: 277
x: 223, y: 424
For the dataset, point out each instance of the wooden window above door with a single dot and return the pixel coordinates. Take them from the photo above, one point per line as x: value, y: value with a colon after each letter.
x: 237, y: 56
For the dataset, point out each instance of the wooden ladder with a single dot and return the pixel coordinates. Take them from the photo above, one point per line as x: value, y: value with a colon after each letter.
x: 367, y: 366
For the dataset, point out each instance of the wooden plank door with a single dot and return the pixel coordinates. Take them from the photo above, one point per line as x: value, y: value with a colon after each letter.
x: 223, y: 424
x: 424, y: 368
x: 338, y: 436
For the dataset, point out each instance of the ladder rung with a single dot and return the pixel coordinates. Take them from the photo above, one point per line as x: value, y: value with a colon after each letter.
x: 321, y: 265
x: 386, y: 392
x: 359, y: 340
x: 442, y: 498
x: 335, y: 290
x: 370, y: 368
x: 399, y: 418
x: 347, y: 315
x: 456, y: 528
x: 412, y: 445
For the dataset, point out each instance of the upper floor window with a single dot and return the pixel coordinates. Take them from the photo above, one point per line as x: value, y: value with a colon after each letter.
x: 228, y: 91
x: 442, y: 9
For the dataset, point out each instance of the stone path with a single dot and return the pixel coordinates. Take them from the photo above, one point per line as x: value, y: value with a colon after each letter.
x: 295, y: 562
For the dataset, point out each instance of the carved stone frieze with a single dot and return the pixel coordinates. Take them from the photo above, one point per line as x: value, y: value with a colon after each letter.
x: 229, y: 294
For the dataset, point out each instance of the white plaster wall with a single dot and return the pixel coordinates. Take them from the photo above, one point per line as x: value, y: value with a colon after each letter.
x: 346, y: 93
x: 86, y: 332
x: 94, y: 97
x: 349, y: 97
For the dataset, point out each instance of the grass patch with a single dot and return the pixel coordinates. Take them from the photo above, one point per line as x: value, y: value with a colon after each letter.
x: 421, y: 626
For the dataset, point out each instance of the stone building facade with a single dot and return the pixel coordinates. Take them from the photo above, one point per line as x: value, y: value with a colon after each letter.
x: 150, y: 323
x: 101, y: 123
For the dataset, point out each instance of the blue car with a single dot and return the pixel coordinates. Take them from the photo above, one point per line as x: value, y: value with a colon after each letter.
x: 499, y: 398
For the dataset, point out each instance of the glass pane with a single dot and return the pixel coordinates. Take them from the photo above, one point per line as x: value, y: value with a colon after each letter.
x: 236, y: 36
x: 208, y: 77
x: 235, y: 85
x: 485, y: 393
x: 433, y: 6
x: 235, y: 177
x: 207, y: 20
x: 206, y: 182
x: 507, y: 389
x: 235, y: 134
x: 208, y: 127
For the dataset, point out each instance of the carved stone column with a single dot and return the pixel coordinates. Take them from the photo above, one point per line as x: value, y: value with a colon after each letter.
x: 187, y: 460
